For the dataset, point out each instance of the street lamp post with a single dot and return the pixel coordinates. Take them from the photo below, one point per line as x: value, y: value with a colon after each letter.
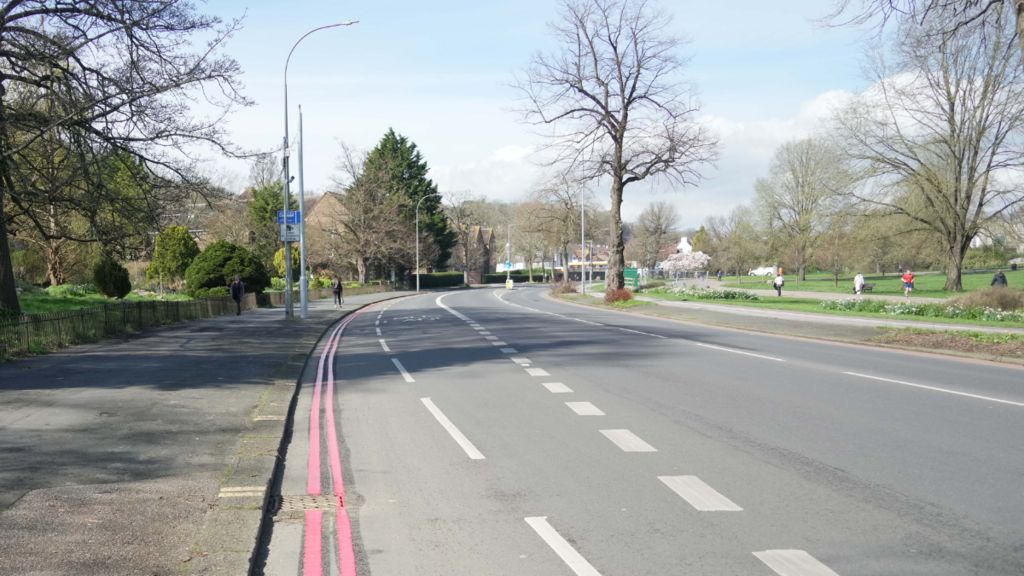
x: 583, y: 243
x: 285, y: 192
x: 422, y: 198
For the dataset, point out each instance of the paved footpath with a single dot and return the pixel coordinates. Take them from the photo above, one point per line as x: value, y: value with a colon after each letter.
x: 150, y: 455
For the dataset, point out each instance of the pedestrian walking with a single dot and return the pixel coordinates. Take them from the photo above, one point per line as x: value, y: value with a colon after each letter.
x: 237, y: 289
x: 908, y: 282
x: 719, y: 274
x: 779, y: 282
x: 858, y: 283
x: 337, y: 289
x: 999, y: 280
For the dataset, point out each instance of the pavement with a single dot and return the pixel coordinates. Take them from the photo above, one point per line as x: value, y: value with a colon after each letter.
x: 154, y: 454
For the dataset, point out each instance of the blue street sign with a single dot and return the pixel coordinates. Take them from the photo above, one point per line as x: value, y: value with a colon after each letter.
x: 293, y: 217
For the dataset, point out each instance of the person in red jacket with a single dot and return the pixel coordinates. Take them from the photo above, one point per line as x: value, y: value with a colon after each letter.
x: 908, y: 283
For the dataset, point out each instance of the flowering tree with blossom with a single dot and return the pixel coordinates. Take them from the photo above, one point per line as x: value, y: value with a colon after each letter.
x: 682, y: 262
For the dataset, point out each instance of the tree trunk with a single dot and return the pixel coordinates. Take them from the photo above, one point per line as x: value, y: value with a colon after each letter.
x: 954, y: 268
x: 361, y: 269
x: 8, y: 292
x: 614, y: 279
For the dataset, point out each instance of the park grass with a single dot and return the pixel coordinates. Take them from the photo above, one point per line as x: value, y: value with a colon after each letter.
x: 928, y: 284
x: 41, y: 302
x: 813, y: 306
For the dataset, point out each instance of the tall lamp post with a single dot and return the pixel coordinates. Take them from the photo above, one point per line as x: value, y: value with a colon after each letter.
x: 285, y: 193
x: 422, y: 198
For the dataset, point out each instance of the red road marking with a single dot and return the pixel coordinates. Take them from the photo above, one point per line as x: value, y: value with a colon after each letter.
x: 312, y: 556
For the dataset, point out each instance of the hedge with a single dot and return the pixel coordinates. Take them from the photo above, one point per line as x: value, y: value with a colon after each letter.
x: 439, y: 279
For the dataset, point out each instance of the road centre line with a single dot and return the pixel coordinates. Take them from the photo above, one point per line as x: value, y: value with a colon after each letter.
x: 627, y: 441
x: 584, y: 409
x: 405, y: 374
x: 537, y: 372
x: 699, y: 495
x: 491, y: 337
x: 454, y: 432
x: 384, y: 345
x: 793, y: 563
x: 499, y: 343
x: 557, y: 388
x: 521, y: 361
x: 936, y: 389
x: 378, y: 331
x: 509, y: 351
x: 734, y: 351
x: 643, y: 333
x: 573, y: 559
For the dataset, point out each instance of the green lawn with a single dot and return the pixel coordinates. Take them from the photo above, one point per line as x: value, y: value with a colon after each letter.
x: 814, y: 306
x: 925, y: 283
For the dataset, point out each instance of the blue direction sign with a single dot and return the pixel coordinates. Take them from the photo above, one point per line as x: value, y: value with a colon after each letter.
x: 292, y: 217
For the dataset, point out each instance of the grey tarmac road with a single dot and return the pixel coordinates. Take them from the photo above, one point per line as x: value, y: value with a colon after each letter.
x: 527, y: 436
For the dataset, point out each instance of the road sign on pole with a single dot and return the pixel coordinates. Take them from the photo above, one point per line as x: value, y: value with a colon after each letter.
x: 289, y: 232
x: 292, y: 217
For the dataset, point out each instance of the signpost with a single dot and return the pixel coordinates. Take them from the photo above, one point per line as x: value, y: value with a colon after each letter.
x: 631, y: 277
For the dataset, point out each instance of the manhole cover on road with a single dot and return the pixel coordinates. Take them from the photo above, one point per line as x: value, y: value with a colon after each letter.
x: 285, y: 504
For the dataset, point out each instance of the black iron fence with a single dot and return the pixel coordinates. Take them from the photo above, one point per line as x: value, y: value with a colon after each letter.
x: 40, y: 333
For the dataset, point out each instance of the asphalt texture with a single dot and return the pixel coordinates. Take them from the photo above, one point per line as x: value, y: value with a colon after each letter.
x: 151, y: 454
x: 156, y: 454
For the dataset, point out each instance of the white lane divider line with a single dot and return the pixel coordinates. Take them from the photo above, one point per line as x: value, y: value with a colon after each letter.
x: 509, y: 351
x: 521, y: 361
x: 584, y: 409
x: 793, y: 563
x: 936, y: 389
x: 557, y: 388
x: 499, y: 343
x: 456, y: 435
x: 483, y: 332
x: 490, y: 337
x: 734, y: 351
x: 699, y: 494
x: 453, y: 311
x: 537, y: 372
x: 643, y: 333
x: 384, y: 345
x: 378, y: 331
x: 573, y: 559
x: 406, y: 375
x: 627, y: 441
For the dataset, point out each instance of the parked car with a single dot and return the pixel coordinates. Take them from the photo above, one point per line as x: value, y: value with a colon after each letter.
x: 762, y: 271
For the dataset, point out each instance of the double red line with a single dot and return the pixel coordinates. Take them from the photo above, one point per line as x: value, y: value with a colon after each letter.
x: 312, y: 555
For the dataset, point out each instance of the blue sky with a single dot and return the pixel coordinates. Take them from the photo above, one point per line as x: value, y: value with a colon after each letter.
x: 440, y: 73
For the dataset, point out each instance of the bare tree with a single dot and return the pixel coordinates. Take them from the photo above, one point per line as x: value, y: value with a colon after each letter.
x: 655, y: 227
x: 938, y: 138
x: 616, y: 104
x: 948, y: 16
x: 801, y: 191
x: 120, y: 76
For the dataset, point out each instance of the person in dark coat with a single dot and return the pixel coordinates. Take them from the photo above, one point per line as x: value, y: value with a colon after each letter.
x: 337, y: 289
x: 999, y: 280
x: 237, y: 289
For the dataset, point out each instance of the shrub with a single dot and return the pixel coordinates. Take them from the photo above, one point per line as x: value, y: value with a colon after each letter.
x: 174, y: 252
x: 563, y: 288
x: 215, y: 292
x: 619, y: 295
x: 220, y: 262
x: 110, y: 278
x: 1007, y: 299
x: 708, y: 293
x: 70, y: 290
x: 439, y: 279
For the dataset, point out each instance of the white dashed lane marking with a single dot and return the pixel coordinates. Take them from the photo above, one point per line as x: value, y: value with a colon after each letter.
x: 584, y: 409
x: 537, y: 372
x: 627, y: 441
x: 573, y: 559
x: 557, y: 388
x: 723, y: 349
x: 454, y: 432
x: 384, y: 345
x: 698, y: 494
x: 405, y: 374
x: 793, y: 563
x: 509, y: 351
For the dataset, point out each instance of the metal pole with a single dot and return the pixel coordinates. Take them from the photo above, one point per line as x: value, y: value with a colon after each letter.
x: 288, y: 311
x: 303, y: 279
x: 508, y: 255
x: 418, y: 202
x: 583, y: 242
